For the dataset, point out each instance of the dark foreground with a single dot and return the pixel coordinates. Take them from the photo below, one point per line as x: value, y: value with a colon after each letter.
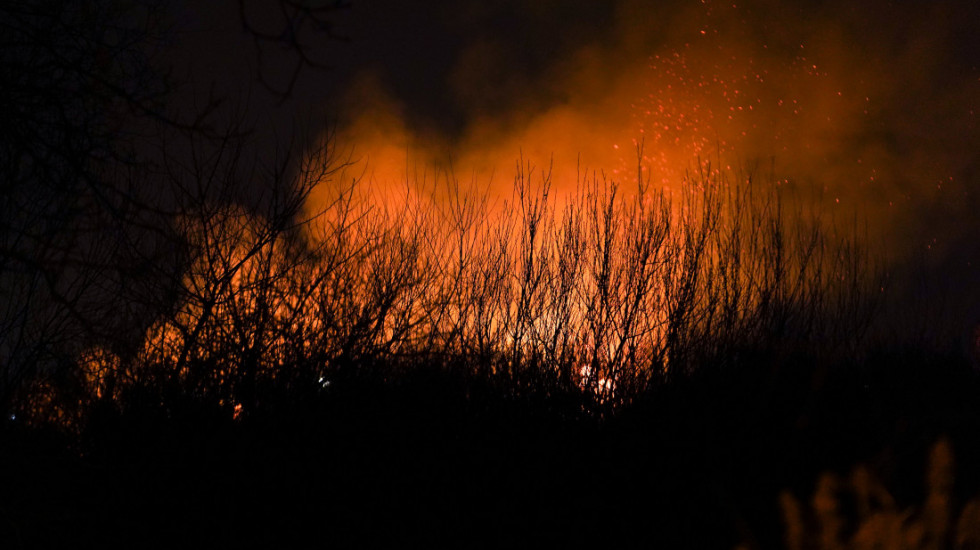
x: 432, y: 459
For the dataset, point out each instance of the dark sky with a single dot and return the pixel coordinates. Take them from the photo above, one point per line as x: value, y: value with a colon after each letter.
x: 446, y: 63
x: 871, y: 106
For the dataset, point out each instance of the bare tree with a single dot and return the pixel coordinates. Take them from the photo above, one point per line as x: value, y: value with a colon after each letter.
x: 89, y: 252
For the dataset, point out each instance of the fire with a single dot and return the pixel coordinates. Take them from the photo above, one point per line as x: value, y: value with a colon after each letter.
x: 720, y: 99
x: 668, y: 122
x: 733, y: 85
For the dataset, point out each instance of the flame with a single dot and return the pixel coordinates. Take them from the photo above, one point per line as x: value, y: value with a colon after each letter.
x: 721, y: 91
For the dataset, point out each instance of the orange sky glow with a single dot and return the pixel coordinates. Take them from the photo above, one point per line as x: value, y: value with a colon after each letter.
x: 801, y: 103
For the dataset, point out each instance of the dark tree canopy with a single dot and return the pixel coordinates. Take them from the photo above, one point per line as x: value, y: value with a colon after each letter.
x: 95, y: 131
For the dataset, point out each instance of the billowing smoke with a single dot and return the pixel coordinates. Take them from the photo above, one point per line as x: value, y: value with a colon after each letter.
x: 867, y: 109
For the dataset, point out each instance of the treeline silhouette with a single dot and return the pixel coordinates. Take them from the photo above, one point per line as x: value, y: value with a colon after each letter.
x: 206, y: 342
x: 610, y: 365
x: 587, y: 300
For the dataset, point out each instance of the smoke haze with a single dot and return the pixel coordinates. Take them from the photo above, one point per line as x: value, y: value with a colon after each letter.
x: 866, y: 112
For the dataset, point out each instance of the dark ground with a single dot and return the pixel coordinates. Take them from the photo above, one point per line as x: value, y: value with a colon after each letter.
x: 433, y: 459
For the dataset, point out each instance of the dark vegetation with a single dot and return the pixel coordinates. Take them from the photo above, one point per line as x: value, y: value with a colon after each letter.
x: 192, y: 355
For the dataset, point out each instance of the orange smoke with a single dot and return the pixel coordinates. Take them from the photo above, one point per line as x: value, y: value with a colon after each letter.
x: 818, y: 102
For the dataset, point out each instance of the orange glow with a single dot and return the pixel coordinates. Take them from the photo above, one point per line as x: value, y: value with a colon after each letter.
x: 241, y: 296
x: 737, y: 86
x: 720, y: 98
x: 705, y: 101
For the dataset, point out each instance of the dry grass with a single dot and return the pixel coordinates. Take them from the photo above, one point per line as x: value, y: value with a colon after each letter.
x: 876, y: 521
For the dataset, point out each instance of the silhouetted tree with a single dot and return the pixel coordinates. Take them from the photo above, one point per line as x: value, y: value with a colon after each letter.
x: 74, y: 77
x: 89, y: 252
